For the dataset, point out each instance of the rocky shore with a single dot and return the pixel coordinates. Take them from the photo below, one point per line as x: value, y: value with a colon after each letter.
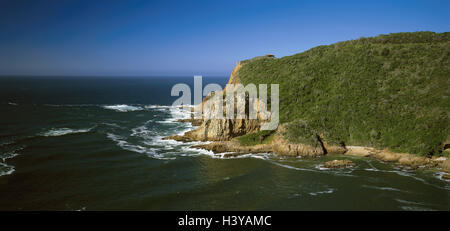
x: 223, y: 133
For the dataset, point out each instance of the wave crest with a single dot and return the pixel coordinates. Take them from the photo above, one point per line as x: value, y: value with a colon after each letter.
x: 123, y: 108
x: 64, y: 131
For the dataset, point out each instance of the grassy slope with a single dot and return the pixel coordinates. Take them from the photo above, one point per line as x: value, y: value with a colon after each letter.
x: 389, y: 91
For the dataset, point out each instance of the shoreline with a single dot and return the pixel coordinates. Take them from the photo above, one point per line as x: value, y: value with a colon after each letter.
x: 232, y: 148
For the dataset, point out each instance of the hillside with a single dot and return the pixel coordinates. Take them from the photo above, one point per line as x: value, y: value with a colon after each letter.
x: 389, y: 91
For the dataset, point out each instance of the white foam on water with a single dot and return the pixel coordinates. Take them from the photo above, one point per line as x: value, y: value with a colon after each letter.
x: 140, y: 131
x: 197, y: 151
x: 440, y: 174
x: 122, y: 143
x: 162, y: 106
x: 166, y: 122
x: 176, y: 115
x: 345, y: 171
x: 320, y: 167
x: 372, y: 169
x: 409, y: 202
x: 8, y: 155
x: 6, y: 169
x: 383, y: 188
x: 328, y: 191
x: 123, y: 108
x: 294, y: 168
x: 64, y: 131
x: 262, y: 156
x: 415, y: 208
x: 127, y: 146
x: 13, y: 104
x: 3, y: 143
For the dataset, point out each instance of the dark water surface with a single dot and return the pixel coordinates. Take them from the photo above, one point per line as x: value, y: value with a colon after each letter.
x: 85, y: 143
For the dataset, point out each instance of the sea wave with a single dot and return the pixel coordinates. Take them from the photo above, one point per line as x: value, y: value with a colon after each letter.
x: 123, y: 108
x: 64, y: 131
x: 328, y: 191
x: 383, y: 188
x: 6, y: 169
x: 175, y: 110
x: 8, y: 155
x: 149, y: 151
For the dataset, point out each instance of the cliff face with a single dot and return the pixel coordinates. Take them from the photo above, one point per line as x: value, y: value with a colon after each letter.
x: 225, y: 129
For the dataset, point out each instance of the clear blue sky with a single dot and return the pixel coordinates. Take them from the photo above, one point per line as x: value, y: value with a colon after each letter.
x: 186, y: 37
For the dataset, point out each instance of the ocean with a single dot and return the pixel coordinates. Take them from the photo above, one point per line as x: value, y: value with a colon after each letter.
x: 95, y: 143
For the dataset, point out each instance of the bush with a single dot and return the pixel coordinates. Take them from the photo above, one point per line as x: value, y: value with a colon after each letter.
x: 261, y: 137
x: 389, y: 91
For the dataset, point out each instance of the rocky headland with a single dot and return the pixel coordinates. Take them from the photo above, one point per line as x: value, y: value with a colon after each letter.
x: 231, y: 136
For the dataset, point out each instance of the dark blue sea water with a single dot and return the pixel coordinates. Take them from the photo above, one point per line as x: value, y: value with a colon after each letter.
x: 95, y: 143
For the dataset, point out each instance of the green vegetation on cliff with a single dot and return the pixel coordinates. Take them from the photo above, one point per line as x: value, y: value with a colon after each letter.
x: 389, y: 91
x: 254, y: 138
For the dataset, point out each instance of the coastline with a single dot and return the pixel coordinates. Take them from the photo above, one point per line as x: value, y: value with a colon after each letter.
x: 223, y: 133
x: 233, y: 148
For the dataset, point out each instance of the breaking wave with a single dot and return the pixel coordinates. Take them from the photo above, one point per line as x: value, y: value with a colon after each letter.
x: 123, y: 108
x: 6, y: 169
x: 64, y: 131
x: 328, y: 191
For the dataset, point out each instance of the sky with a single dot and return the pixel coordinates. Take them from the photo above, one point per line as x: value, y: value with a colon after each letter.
x: 186, y: 38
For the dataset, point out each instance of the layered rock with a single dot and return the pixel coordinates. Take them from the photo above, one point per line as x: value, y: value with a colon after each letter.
x: 212, y: 128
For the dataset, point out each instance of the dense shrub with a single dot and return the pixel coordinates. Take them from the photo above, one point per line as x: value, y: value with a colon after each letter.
x: 262, y: 137
x: 389, y: 91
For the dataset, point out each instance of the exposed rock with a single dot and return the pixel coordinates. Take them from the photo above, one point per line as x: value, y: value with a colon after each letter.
x: 413, y: 161
x: 332, y: 149
x: 194, y: 122
x: 212, y: 128
x: 234, y: 146
x: 234, y: 74
x: 179, y: 138
x: 446, y: 176
x: 338, y: 164
x: 445, y: 165
x: 387, y: 156
x: 234, y: 154
x: 359, y: 151
x: 284, y: 148
x: 223, y: 129
x: 438, y: 159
